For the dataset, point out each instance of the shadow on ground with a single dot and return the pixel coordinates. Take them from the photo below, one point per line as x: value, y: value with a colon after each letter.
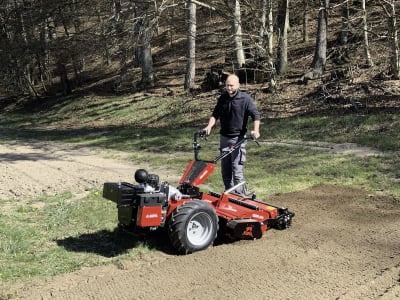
x: 117, y: 242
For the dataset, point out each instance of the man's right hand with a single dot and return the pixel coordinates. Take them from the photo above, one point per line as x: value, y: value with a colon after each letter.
x: 210, y: 125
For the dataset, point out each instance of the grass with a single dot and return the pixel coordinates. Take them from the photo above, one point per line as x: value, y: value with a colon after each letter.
x: 54, y: 235
x: 380, y: 130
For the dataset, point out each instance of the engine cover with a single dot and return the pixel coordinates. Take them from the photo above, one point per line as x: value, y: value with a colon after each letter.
x: 122, y: 193
x: 149, y: 216
x: 126, y: 194
x: 135, y: 206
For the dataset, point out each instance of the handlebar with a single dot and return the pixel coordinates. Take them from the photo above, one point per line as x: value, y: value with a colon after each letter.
x: 254, y: 139
x: 202, y: 134
x: 196, y: 145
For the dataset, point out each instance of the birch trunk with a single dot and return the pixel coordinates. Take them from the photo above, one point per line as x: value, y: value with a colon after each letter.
x: 367, y: 53
x: 270, y: 54
x: 191, y: 47
x: 237, y: 35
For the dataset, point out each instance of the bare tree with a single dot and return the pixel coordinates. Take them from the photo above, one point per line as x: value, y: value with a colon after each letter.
x: 344, y: 34
x: 319, y: 60
x: 23, y: 37
x: 390, y: 11
x: 118, y: 25
x: 267, y: 47
x: 367, y: 53
x: 145, y: 36
x: 305, y: 20
x: 270, y: 32
x: 237, y: 34
x: 283, y: 23
x: 191, y: 46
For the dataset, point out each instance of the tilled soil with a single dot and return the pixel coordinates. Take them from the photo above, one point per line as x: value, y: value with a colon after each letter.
x: 343, y: 244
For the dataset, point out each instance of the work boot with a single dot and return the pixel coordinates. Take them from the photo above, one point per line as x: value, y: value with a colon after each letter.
x: 246, y: 191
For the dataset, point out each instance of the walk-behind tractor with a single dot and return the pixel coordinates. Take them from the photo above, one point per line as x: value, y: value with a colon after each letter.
x: 192, y: 218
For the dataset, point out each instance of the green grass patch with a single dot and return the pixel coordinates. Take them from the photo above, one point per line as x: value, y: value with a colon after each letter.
x: 380, y: 130
x: 275, y: 169
x: 54, y: 235
x: 149, y: 122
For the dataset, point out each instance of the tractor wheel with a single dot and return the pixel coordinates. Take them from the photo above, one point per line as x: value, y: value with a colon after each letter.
x: 193, y: 226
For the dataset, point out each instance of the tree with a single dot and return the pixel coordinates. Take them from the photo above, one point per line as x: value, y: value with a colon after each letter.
x: 283, y: 23
x: 267, y: 47
x: 368, y: 58
x: 305, y: 20
x: 319, y: 60
x: 191, y: 46
x: 390, y: 11
x: 270, y: 31
x: 118, y: 26
x: 344, y: 34
x: 237, y: 34
x: 144, y: 45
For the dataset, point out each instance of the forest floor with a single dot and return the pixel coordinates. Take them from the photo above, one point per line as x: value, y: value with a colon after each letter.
x: 343, y: 244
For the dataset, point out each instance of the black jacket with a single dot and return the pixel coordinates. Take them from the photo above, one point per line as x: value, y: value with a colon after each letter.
x: 234, y: 113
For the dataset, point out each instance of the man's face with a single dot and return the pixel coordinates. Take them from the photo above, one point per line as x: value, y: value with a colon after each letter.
x: 232, y: 85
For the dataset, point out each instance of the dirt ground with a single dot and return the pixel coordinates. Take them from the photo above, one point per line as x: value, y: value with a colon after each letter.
x: 343, y: 244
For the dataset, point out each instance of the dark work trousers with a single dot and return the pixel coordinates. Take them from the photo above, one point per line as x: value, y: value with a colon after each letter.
x: 232, y: 165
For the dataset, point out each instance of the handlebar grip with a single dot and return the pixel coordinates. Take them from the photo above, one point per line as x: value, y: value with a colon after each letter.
x: 254, y: 139
x: 202, y: 133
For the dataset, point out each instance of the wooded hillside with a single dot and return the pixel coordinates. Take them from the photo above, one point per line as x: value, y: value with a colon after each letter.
x: 348, y: 48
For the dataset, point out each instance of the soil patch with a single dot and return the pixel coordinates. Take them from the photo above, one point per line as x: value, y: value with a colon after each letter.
x: 344, y: 243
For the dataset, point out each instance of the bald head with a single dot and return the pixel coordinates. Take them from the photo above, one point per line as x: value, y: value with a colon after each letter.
x: 232, y: 84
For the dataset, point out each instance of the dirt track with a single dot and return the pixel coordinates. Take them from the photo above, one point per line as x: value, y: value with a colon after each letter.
x: 344, y: 243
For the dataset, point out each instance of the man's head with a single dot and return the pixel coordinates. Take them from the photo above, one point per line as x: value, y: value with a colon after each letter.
x: 232, y: 84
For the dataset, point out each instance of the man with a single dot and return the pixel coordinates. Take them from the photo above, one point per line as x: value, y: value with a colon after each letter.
x: 233, y: 109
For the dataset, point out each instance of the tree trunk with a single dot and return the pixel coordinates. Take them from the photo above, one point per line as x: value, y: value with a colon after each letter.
x: 103, y: 40
x: 64, y: 81
x: 25, y: 61
x: 237, y: 35
x: 145, y: 57
x: 283, y: 23
x: 191, y: 47
x: 77, y: 57
x: 260, y: 50
x: 270, y: 47
x: 264, y: 55
x: 393, y: 40
x: 305, y: 20
x: 263, y: 21
x: 319, y: 60
x: 344, y: 35
x: 29, y: 83
x: 118, y: 24
x: 368, y: 58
